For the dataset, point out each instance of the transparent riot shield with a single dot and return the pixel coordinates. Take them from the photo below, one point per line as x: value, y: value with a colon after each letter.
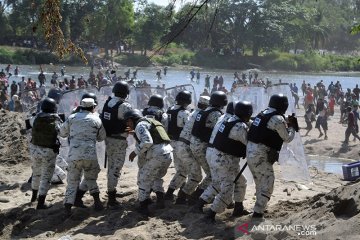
x: 139, y: 96
x: 256, y: 95
x: 173, y: 91
x: 30, y: 100
x: 292, y: 156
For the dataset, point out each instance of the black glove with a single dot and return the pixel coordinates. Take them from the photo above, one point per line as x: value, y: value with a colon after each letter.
x: 292, y: 122
x: 272, y: 156
x: 27, y: 124
x: 62, y: 116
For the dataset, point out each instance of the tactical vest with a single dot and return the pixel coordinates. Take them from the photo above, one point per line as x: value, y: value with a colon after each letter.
x: 157, y: 113
x: 223, y: 143
x: 44, y: 133
x: 173, y: 129
x: 259, y: 133
x: 109, y: 118
x: 157, y: 131
x: 199, y: 129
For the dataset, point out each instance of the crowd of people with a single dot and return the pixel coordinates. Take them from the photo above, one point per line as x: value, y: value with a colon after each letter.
x: 320, y: 101
x: 206, y: 139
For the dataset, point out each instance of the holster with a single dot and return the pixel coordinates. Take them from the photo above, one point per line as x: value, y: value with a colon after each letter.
x: 272, y: 156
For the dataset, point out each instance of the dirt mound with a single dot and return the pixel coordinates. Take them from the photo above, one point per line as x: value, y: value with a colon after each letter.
x: 334, y: 215
x: 13, y: 145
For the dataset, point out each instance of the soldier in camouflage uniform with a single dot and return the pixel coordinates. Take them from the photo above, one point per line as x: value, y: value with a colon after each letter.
x: 178, y: 116
x: 265, y: 138
x: 155, y: 109
x: 201, y: 132
x: 43, y: 150
x: 83, y: 129
x: 153, y: 146
x: 112, y: 118
x: 189, y: 168
x: 228, y: 114
x: 229, y: 145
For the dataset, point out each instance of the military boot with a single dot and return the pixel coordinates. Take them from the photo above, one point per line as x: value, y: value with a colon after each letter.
x: 210, y: 216
x: 112, y: 202
x: 143, y: 208
x: 257, y: 217
x: 195, y: 196
x: 181, y: 197
x: 41, y: 203
x: 198, y: 207
x: 98, y: 206
x: 67, y: 210
x: 239, y: 210
x: 78, y: 199
x: 169, y: 194
x: 34, y: 195
x: 160, y: 200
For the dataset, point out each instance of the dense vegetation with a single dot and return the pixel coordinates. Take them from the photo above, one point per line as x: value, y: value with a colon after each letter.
x: 226, y: 34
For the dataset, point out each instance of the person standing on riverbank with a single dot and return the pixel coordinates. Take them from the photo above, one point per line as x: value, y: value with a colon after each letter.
x: 321, y: 121
x: 207, y: 82
x: 42, y: 78
x: 351, y: 126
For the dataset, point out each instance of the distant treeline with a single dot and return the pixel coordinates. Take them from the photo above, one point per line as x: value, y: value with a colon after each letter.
x: 223, y: 34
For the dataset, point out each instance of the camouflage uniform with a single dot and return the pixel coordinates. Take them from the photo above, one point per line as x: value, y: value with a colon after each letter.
x: 180, y: 156
x: 154, y: 160
x: 209, y: 152
x: 199, y: 147
x: 193, y: 171
x: 116, y: 148
x: 224, y: 169
x: 259, y: 165
x: 60, y: 164
x: 83, y: 129
x: 43, y: 163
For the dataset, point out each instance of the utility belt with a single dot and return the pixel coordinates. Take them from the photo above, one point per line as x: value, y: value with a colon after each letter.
x: 187, y: 142
x: 116, y: 136
x: 210, y: 145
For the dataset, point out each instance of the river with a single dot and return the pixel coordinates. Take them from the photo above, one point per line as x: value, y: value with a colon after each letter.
x: 177, y: 76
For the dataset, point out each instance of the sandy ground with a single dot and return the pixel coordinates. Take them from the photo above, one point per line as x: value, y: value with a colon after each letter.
x: 327, y: 203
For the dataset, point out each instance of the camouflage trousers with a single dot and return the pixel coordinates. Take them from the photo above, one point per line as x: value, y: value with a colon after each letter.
x: 151, y: 173
x: 263, y: 173
x: 43, y: 165
x: 183, y: 161
x: 60, y: 168
x: 198, y: 150
x: 224, y: 169
x: 115, y: 152
x: 76, y: 168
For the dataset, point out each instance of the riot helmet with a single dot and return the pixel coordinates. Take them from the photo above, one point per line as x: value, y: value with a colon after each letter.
x: 133, y: 114
x: 89, y: 95
x: 218, y: 99
x: 183, y: 98
x: 156, y: 100
x: 55, y: 93
x: 48, y: 105
x: 230, y: 108
x: 121, y: 89
x: 243, y: 110
x: 279, y: 102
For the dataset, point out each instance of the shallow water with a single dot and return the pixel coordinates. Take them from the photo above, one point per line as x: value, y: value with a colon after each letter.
x: 182, y: 76
x: 328, y: 164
